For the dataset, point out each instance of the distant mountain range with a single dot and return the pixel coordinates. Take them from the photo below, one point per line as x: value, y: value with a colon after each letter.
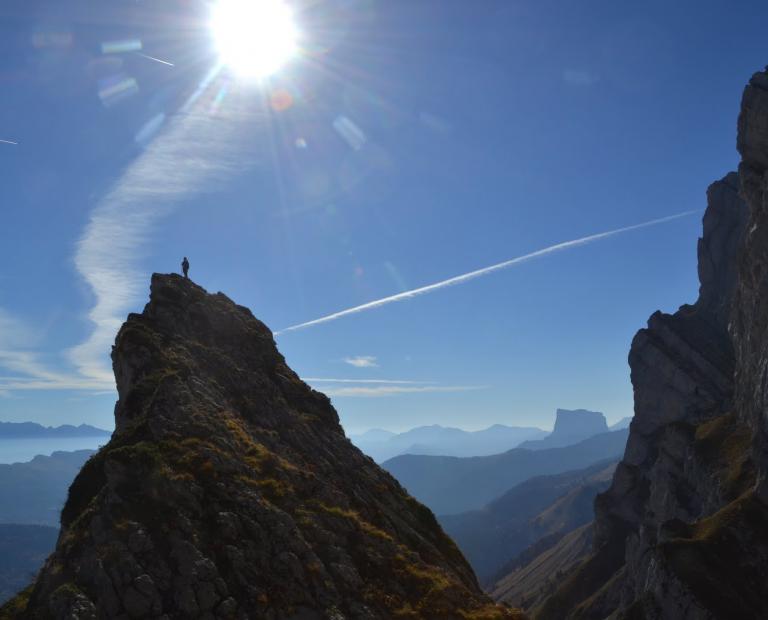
x: 571, y: 426
x: 23, y: 549
x: 34, y: 492
x: 540, y: 507
x: 450, y: 485
x: 381, y: 445
x: 30, y: 430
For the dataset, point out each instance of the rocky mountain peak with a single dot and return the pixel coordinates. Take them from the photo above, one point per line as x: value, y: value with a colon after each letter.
x: 723, y: 228
x: 579, y: 423
x: 229, y: 355
x: 230, y: 491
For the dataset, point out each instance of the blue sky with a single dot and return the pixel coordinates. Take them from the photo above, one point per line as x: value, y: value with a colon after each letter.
x: 409, y: 142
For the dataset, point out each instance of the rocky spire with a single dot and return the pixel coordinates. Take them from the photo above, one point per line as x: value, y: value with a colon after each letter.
x: 683, y: 530
x: 749, y: 327
x: 230, y: 491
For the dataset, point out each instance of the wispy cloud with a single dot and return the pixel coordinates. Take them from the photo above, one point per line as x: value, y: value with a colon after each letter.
x: 25, y: 368
x: 366, y: 381
x: 59, y: 382
x: 26, y: 364
x: 9, y: 142
x: 378, y: 391
x: 374, y: 388
x: 29, y: 372
x: 14, y: 333
x: 194, y: 150
x: 362, y: 361
x: 466, y: 277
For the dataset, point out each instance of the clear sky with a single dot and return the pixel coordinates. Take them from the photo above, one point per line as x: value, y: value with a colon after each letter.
x: 406, y: 142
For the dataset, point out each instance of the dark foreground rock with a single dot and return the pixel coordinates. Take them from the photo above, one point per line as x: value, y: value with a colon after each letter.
x: 683, y: 531
x: 230, y: 491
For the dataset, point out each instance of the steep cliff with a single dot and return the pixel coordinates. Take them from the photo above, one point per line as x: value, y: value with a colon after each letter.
x: 683, y: 530
x: 229, y: 490
x: 571, y: 426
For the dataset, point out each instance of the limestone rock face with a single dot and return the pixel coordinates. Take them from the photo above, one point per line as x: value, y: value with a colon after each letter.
x: 683, y: 530
x: 749, y: 328
x: 230, y: 491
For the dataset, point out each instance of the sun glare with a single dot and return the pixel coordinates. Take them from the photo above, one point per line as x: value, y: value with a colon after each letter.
x: 254, y: 38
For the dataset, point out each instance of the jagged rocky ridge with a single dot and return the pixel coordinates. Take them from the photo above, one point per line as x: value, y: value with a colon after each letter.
x: 230, y: 491
x: 683, y: 530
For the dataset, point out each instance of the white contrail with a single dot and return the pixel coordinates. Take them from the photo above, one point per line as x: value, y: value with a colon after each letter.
x: 148, y: 57
x: 565, y: 245
x: 395, y: 390
x: 9, y: 142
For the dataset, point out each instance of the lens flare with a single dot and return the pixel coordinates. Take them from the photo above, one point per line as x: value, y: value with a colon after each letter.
x: 254, y: 38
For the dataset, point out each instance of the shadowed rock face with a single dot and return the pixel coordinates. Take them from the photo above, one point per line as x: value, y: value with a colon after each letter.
x: 229, y: 490
x: 749, y: 327
x: 683, y: 530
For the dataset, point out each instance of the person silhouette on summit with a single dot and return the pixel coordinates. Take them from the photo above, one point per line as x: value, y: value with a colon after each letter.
x: 185, y: 267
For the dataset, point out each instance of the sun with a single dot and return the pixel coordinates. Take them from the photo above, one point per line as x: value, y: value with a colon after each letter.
x: 254, y: 38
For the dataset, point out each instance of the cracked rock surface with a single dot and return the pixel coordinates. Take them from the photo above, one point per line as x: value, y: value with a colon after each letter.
x: 230, y: 491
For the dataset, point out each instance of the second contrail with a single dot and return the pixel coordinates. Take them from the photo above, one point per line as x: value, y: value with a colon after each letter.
x: 164, y: 62
x: 558, y: 247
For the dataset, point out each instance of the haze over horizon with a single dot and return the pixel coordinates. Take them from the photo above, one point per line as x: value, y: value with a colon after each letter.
x: 385, y: 157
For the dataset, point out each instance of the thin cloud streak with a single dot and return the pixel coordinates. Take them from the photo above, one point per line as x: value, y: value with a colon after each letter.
x: 395, y: 390
x: 163, y: 62
x: 60, y: 383
x: 194, y: 151
x: 558, y: 247
x: 34, y: 375
x: 9, y: 142
x: 365, y: 381
x: 26, y: 363
x: 362, y: 361
x: 28, y: 369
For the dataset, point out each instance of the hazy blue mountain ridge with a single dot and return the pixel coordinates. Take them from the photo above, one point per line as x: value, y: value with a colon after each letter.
x: 444, y: 441
x: 450, y: 485
x: 539, y: 507
x: 24, y: 430
x: 34, y: 492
